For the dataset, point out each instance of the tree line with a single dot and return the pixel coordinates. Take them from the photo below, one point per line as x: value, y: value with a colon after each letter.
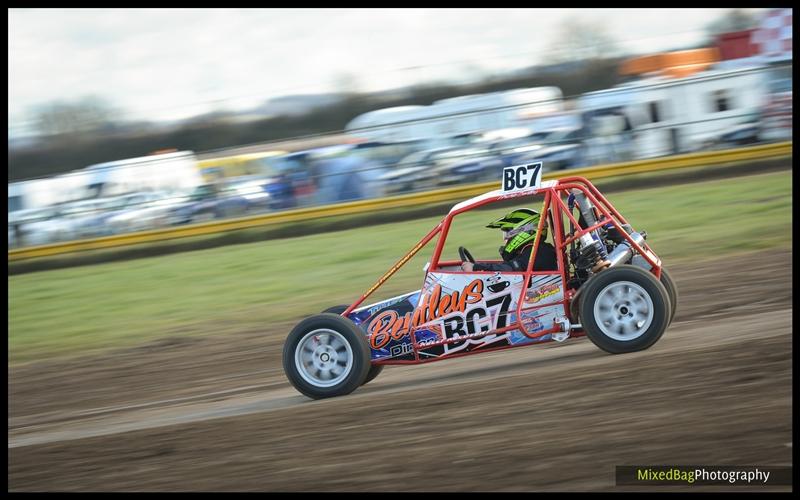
x: 108, y: 140
x: 90, y: 131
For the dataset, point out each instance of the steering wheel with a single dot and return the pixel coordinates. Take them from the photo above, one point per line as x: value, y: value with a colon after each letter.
x: 465, y: 255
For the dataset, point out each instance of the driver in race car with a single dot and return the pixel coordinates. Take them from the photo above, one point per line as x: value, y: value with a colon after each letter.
x: 519, y: 232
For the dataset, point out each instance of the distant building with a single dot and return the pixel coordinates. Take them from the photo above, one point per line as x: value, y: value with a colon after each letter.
x: 769, y: 43
x: 773, y: 37
x: 736, y: 45
x: 676, y: 64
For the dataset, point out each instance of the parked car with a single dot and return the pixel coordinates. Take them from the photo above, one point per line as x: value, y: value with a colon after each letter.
x: 251, y: 189
x: 84, y: 218
x: 563, y: 149
x: 408, y: 174
x: 741, y: 134
x: 98, y: 224
x: 348, y: 177
x: 458, y: 165
x: 474, y: 165
x: 234, y: 197
x: 208, y: 202
x: 511, y: 150
x: 149, y: 215
x: 36, y: 226
x: 298, y: 169
x: 262, y: 193
x: 60, y: 222
x: 560, y: 157
x: 386, y: 153
x: 281, y: 190
x: 776, y: 124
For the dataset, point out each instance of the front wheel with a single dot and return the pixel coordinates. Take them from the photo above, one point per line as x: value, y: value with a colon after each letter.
x: 374, y: 370
x: 624, y: 309
x: 325, y: 356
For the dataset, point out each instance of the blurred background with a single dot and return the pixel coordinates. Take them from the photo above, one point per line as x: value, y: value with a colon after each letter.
x: 298, y: 153
x: 126, y: 120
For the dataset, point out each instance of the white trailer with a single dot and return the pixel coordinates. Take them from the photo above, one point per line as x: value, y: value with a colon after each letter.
x: 661, y: 116
x: 438, y: 123
x: 171, y: 172
x: 32, y: 194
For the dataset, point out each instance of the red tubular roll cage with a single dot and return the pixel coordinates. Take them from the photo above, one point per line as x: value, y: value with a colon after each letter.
x: 553, y: 191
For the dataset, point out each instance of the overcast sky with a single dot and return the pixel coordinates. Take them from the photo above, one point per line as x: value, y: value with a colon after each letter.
x: 164, y: 64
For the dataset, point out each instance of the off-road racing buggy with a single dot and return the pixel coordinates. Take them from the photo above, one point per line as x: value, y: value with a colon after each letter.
x: 609, y: 285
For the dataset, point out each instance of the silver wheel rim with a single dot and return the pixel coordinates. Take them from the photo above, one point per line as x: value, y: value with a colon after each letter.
x: 323, y: 357
x: 623, y: 311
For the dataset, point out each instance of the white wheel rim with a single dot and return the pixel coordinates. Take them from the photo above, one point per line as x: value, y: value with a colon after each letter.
x: 323, y: 357
x: 623, y: 311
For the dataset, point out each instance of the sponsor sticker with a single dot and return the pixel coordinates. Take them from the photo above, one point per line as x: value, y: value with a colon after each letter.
x: 538, y: 294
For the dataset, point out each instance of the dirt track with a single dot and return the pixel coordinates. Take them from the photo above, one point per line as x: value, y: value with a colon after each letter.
x: 218, y: 414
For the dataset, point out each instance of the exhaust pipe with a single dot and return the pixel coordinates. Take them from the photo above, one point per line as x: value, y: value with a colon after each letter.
x: 585, y: 206
x: 591, y: 239
x: 624, y: 250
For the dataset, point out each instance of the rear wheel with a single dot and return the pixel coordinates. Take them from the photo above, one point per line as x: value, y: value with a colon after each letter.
x: 624, y: 309
x: 325, y: 356
x: 666, y: 280
x: 672, y: 291
x: 374, y: 370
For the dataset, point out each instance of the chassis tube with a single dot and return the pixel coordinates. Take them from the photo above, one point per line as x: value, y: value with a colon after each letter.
x: 584, y: 185
x: 460, y: 354
x: 400, y: 263
x: 526, y: 282
x: 641, y: 250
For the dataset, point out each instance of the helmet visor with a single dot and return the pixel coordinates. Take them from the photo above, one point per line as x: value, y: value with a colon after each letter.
x: 527, y: 228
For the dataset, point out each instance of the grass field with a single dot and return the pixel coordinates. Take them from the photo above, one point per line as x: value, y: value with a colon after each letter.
x: 246, y: 287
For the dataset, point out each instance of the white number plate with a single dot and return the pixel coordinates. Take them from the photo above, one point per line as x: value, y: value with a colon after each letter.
x: 522, y: 177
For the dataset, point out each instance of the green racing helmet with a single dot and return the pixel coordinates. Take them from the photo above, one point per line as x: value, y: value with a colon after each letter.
x: 519, y: 229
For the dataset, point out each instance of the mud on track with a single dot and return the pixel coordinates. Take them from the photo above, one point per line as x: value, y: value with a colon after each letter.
x: 217, y: 413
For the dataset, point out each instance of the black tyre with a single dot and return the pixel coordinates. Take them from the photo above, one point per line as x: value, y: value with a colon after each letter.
x: 574, y: 310
x: 326, y: 355
x: 672, y: 291
x: 666, y: 280
x: 374, y: 370
x: 336, y: 310
x: 624, y: 309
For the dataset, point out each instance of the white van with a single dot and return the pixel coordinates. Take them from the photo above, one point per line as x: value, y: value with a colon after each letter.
x: 662, y: 116
x: 438, y: 123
